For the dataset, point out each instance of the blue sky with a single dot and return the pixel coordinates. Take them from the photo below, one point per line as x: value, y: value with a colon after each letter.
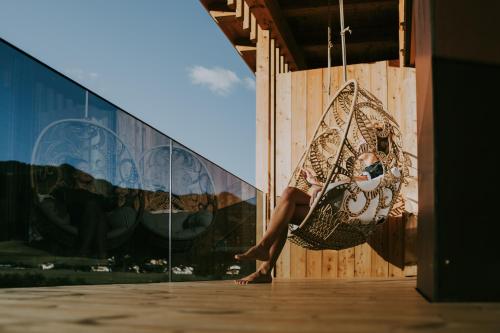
x: 164, y: 61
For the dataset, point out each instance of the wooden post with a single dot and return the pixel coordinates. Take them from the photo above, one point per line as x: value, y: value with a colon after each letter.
x: 263, y: 87
x: 457, y: 69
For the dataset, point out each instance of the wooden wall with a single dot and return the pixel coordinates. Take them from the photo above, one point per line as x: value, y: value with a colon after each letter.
x: 295, y: 106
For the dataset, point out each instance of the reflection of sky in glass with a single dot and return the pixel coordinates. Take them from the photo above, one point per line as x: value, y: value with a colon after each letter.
x: 49, y: 122
x: 53, y: 121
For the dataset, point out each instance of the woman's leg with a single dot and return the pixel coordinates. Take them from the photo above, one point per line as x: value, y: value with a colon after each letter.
x: 292, y: 208
x: 282, y: 215
x: 263, y: 273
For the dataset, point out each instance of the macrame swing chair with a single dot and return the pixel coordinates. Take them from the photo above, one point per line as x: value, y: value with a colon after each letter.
x: 347, y: 211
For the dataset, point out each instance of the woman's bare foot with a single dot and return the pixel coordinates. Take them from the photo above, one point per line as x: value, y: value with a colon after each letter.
x: 257, y: 252
x: 256, y: 277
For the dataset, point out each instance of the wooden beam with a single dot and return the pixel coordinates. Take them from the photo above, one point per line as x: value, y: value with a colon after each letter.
x: 219, y: 14
x: 308, y: 8
x: 246, y: 16
x: 269, y: 16
x: 239, y: 9
x: 245, y: 48
x: 262, y: 125
x: 253, y: 28
x: 282, y: 64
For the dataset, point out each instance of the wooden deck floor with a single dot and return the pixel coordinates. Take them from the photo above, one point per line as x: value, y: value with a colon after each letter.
x: 284, y: 306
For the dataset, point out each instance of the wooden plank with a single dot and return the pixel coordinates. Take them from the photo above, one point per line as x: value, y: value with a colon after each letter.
x: 253, y: 28
x: 283, y: 131
x: 286, y: 68
x: 246, y: 16
x: 277, y: 60
x: 346, y: 258
x: 362, y: 260
x: 283, y: 154
x: 262, y: 124
x: 329, y: 262
x: 395, y: 225
x: 245, y: 48
x: 346, y: 263
x: 298, y: 255
x: 262, y: 109
x: 272, y: 124
x: 190, y: 307
x: 314, y: 112
x: 396, y: 246
x: 362, y: 253
x: 239, y: 9
x: 401, y: 32
x: 218, y: 14
x: 282, y: 64
x: 410, y: 243
x: 380, y: 239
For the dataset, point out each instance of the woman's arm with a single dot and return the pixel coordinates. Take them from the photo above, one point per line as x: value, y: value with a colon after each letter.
x: 311, y: 178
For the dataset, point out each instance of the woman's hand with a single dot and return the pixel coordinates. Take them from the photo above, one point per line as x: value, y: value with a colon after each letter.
x: 310, y: 177
x: 315, y: 191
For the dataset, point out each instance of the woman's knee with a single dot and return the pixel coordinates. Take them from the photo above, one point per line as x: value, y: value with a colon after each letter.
x: 289, y: 194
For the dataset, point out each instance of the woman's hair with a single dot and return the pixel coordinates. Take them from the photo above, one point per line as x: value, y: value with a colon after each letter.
x: 383, y: 144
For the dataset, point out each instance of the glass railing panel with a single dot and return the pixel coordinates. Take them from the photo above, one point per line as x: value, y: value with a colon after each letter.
x: 213, y: 217
x: 85, y: 191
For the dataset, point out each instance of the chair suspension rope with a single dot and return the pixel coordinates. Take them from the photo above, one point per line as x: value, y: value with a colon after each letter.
x: 342, y: 38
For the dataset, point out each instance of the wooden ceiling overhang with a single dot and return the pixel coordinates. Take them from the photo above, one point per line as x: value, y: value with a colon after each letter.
x: 299, y: 28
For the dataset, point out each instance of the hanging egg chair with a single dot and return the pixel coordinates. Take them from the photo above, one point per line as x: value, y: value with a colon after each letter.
x: 347, y: 211
x: 354, y: 129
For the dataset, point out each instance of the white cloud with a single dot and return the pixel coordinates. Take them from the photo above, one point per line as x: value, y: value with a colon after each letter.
x: 249, y: 83
x: 219, y: 80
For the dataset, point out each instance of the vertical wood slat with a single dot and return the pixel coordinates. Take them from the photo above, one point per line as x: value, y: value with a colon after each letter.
x: 402, y: 106
x: 277, y: 60
x: 262, y: 78
x: 330, y: 258
x: 283, y: 155
x: 253, y: 28
x: 346, y: 258
x: 272, y: 125
x: 363, y: 253
x: 395, y: 224
x: 298, y: 255
x: 401, y: 9
x: 246, y: 16
x: 239, y: 9
x: 379, y: 240
x: 314, y: 103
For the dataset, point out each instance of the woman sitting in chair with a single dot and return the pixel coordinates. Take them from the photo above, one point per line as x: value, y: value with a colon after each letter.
x: 293, y: 207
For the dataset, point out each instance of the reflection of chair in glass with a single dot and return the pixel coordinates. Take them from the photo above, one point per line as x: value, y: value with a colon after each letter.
x: 193, y: 205
x: 66, y: 150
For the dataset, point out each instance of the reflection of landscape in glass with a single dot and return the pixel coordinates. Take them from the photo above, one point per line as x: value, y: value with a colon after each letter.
x: 90, y: 194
